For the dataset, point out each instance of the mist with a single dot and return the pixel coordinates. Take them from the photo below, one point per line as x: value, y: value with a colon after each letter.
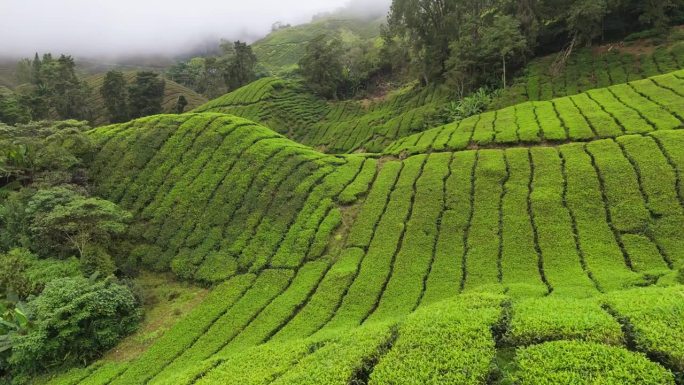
x: 106, y: 28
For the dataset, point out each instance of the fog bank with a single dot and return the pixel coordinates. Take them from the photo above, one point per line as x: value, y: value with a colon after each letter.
x: 150, y: 27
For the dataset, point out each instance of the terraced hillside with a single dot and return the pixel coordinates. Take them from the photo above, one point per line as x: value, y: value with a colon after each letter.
x: 553, y: 257
x: 637, y: 107
x: 597, y: 67
x: 372, y: 125
x: 344, y: 127
x: 217, y: 195
x: 280, y: 51
x: 172, y: 91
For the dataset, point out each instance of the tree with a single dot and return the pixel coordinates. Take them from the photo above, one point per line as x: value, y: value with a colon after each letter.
x: 24, y: 274
x: 504, y: 39
x: 115, y: 96
x: 180, y: 104
x: 57, y: 92
x: 82, y: 223
x: 655, y: 13
x: 146, y: 94
x: 12, y: 110
x: 23, y: 73
x: 585, y: 20
x: 35, y: 150
x: 429, y: 26
x: 212, y: 81
x: 70, y: 95
x: 36, y: 69
x: 321, y: 66
x: 241, y: 67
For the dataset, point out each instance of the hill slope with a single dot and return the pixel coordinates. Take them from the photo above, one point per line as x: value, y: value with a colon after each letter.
x: 341, y: 127
x: 371, y: 125
x: 215, y: 195
x: 172, y: 91
x: 280, y: 51
x: 595, y: 67
x: 633, y: 108
x: 542, y: 261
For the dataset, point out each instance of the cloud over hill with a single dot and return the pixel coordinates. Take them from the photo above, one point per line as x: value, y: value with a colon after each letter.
x: 88, y: 28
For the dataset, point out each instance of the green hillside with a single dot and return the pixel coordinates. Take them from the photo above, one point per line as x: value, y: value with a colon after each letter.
x: 632, y: 108
x: 596, y: 67
x: 537, y: 244
x: 340, y: 127
x: 172, y: 91
x: 372, y: 125
x: 280, y: 51
x: 474, y: 213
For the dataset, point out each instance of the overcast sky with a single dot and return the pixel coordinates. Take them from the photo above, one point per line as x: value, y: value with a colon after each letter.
x: 112, y: 27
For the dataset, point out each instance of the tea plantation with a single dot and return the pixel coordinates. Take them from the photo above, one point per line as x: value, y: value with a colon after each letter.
x: 540, y: 243
x: 373, y: 124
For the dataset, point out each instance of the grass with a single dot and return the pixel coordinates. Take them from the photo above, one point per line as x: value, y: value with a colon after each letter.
x: 166, y: 301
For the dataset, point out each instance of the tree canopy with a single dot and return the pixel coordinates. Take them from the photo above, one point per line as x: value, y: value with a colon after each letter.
x: 466, y: 41
x: 115, y: 96
x: 146, y: 94
x: 321, y: 66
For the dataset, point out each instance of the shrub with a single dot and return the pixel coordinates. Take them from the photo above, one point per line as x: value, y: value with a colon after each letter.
x: 75, y: 321
x: 23, y: 274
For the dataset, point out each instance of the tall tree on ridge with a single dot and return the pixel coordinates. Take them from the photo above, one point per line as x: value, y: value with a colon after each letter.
x: 146, y: 94
x: 241, y: 67
x: 115, y: 96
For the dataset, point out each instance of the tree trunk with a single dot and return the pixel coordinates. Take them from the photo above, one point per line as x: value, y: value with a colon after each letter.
x: 503, y: 57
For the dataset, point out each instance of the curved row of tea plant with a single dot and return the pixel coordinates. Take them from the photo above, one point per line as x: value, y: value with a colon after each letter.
x: 215, y: 195
x: 596, y: 67
x: 638, y: 107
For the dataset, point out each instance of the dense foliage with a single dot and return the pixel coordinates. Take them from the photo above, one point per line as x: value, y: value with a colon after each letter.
x: 232, y: 68
x: 74, y: 320
x: 56, y: 91
x: 52, y: 234
x: 321, y: 66
x: 115, y: 96
x: 467, y: 42
x: 146, y: 94
x: 12, y: 110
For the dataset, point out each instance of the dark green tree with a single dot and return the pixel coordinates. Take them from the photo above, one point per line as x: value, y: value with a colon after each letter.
x: 429, y: 26
x: 35, y: 69
x: 585, y: 20
x: 146, y: 94
x: 57, y: 91
x: 241, y: 66
x: 23, y: 72
x: 12, y: 110
x: 70, y: 95
x: 322, y: 67
x: 115, y: 96
x: 181, y: 103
